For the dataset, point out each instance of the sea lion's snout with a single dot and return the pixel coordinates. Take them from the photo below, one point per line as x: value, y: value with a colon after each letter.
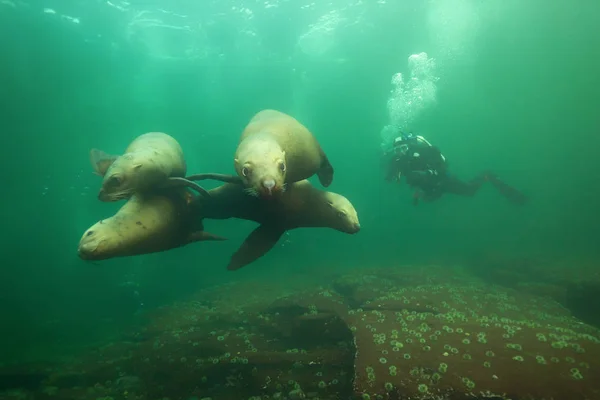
x: 268, y: 187
x: 110, y: 196
x: 88, y: 246
x: 85, y: 251
x: 354, y: 228
x: 107, y: 197
x: 83, y: 254
x: 269, y: 184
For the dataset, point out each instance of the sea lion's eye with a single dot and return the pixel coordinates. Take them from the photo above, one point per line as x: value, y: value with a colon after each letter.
x: 245, y: 171
x: 341, y: 214
x: 282, y: 166
x: 114, y: 181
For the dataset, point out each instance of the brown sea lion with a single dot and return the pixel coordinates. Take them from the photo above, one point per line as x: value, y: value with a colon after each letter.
x: 275, y: 150
x: 145, y: 224
x: 151, y: 161
x: 301, y: 206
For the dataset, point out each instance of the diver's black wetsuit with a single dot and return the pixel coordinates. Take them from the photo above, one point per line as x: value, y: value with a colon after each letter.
x: 425, y: 169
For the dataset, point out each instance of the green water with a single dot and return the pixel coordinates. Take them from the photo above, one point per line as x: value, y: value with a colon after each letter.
x: 518, y: 93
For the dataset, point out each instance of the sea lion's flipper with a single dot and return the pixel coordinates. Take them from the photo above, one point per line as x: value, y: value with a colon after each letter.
x: 325, y: 172
x: 101, y: 161
x: 203, y: 236
x: 183, y: 182
x: 217, y: 177
x: 256, y: 245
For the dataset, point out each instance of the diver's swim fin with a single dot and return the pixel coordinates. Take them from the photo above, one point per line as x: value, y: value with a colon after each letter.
x: 513, y: 195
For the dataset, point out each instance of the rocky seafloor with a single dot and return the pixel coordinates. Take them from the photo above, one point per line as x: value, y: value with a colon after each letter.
x: 403, y: 333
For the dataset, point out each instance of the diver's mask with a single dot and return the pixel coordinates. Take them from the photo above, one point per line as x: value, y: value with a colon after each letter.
x: 401, y: 143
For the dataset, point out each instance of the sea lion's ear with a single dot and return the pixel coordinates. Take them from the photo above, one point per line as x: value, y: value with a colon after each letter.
x: 137, y: 166
x: 283, y: 154
x: 236, y: 162
x: 330, y: 203
x: 101, y: 161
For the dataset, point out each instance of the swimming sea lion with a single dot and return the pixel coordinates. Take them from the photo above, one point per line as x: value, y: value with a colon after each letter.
x: 301, y: 206
x: 274, y: 150
x: 145, y: 224
x: 151, y: 161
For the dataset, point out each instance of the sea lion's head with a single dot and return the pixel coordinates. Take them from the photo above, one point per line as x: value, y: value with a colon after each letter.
x: 119, y: 180
x: 262, y: 167
x: 343, y: 215
x: 100, y: 242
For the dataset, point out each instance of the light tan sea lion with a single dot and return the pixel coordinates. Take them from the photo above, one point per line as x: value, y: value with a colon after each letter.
x: 275, y: 150
x: 145, y: 224
x: 301, y: 206
x: 153, y: 160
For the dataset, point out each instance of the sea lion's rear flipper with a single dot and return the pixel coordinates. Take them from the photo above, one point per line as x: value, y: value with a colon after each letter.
x: 256, y: 245
x: 203, y: 236
x: 325, y: 172
x: 217, y: 177
x: 183, y: 182
x: 101, y: 161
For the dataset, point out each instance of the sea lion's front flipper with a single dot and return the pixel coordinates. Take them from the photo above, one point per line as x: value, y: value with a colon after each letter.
x: 101, y: 161
x: 256, y: 245
x: 325, y: 172
x: 203, y: 236
x: 183, y: 182
x: 217, y: 177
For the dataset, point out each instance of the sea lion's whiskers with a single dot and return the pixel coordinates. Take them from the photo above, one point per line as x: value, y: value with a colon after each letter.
x: 121, y: 195
x: 251, y: 192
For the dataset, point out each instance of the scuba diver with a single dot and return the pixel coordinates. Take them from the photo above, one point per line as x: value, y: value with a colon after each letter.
x: 425, y: 169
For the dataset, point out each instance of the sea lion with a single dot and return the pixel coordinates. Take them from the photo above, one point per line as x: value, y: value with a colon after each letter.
x: 301, y: 206
x: 151, y: 161
x: 275, y: 150
x: 147, y: 223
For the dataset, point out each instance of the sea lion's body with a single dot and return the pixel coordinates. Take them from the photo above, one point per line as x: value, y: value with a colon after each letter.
x: 145, y: 224
x: 149, y: 162
x: 276, y: 150
x: 301, y: 206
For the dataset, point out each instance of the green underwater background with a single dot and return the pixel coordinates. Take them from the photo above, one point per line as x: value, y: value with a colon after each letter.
x: 511, y: 86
